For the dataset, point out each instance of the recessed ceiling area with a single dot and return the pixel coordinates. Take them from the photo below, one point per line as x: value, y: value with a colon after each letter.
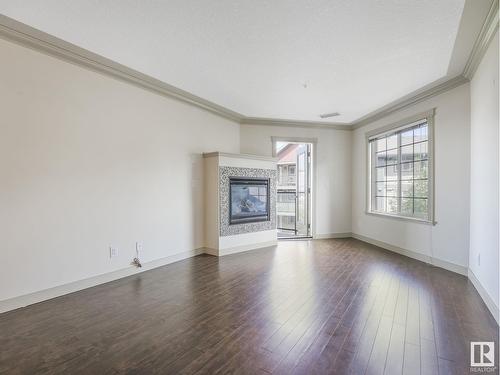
x: 272, y: 59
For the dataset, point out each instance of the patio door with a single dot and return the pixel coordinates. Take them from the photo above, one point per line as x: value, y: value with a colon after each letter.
x: 294, y: 189
x: 303, y: 191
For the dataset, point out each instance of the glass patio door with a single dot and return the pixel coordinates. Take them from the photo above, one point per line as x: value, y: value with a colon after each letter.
x: 302, y: 191
x: 293, y: 201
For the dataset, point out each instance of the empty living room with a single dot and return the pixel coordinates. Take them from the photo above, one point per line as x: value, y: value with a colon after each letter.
x: 249, y: 187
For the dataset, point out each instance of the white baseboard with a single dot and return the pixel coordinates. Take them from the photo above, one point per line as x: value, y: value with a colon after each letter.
x: 415, y: 255
x: 239, y: 249
x: 29, y: 299
x: 488, y: 301
x: 462, y: 270
x: 46, y: 294
x: 490, y: 304
x: 210, y: 251
x: 324, y: 236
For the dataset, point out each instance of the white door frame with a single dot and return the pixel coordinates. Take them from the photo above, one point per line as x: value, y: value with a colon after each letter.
x: 313, y: 142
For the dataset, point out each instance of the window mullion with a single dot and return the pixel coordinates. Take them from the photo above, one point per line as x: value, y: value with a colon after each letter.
x: 411, y: 136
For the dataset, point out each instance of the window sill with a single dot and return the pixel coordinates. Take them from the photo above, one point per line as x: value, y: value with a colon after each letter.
x: 402, y: 218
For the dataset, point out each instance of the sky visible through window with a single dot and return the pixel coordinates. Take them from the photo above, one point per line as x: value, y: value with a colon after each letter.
x: 280, y: 145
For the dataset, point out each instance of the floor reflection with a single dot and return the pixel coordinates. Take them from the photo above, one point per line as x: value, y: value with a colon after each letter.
x: 323, y: 306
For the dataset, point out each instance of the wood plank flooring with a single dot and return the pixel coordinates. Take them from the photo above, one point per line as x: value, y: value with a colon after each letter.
x: 303, y: 307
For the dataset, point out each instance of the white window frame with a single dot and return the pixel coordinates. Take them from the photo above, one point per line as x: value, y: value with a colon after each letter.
x: 408, y: 122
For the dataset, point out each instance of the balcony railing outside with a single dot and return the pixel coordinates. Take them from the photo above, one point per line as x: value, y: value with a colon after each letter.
x: 286, y: 210
x: 288, y: 181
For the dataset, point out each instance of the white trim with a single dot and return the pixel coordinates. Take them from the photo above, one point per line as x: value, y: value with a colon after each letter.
x: 30, y: 37
x: 409, y: 100
x: 43, y: 295
x: 295, y: 123
x: 462, y: 270
x: 490, y: 26
x: 313, y: 161
x: 46, y: 294
x: 210, y: 251
x: 313, y: 142
x: 325, y: 236
x: 399, y: 125
x: 239, y: 156
x: 432, y: 170
x: 483, y: 40
x: 241, y: 249
x: 400, y: 217
x: 439, y: 87
x: 27, y: 36
x: 488, y: 301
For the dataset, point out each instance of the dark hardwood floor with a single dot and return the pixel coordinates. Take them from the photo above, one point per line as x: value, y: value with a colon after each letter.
x: 316, y: 307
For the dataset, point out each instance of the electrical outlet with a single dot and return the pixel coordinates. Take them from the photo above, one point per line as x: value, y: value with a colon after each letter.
x: 138, y: 248
x: 113, y: 252
x: 479, y: 259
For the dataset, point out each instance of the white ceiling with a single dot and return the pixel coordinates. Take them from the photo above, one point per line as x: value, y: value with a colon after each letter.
x: 279, y: 59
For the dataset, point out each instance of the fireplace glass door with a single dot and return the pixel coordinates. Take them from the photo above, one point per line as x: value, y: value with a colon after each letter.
x: 249, y: 200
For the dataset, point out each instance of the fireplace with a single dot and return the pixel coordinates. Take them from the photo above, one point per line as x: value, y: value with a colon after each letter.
x: 248, y: 200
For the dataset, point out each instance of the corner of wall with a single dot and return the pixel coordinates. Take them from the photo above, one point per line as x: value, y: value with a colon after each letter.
x: 487, y: 299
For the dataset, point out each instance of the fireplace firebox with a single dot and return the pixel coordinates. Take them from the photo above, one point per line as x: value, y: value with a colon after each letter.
x: 248, y: 200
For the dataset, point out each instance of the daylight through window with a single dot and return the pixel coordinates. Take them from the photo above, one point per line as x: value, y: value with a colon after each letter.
x: 400, y: 168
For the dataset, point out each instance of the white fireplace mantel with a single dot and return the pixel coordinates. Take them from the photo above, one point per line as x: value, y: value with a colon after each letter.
x: 217, y: 165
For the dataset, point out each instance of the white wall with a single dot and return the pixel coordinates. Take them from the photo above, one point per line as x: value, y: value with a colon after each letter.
x: 484, y: 194
x: 448, y: 240
x: 333, y: 170
x: 87, y: 161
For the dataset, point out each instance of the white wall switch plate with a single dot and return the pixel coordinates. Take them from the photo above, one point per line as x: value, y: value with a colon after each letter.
x: 113, y: 252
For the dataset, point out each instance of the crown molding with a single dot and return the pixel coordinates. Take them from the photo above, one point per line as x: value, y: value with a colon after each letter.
x: 312, y: 140
x: 409, y: 100
x: 25, y: 35
x: 483, y: 41
x: 405, y: 122
x: 490, y: 26
x: 295, y: 123
x: 30, y: 37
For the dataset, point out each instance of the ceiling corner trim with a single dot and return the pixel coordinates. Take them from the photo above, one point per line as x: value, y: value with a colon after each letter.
x: 483, y: 40
x: 410, y: 100
x: 295, y: 123
x: 27, y: 36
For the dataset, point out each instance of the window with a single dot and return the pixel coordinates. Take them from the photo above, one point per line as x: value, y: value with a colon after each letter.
x: 400, y: 171
x: 282, y: 174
